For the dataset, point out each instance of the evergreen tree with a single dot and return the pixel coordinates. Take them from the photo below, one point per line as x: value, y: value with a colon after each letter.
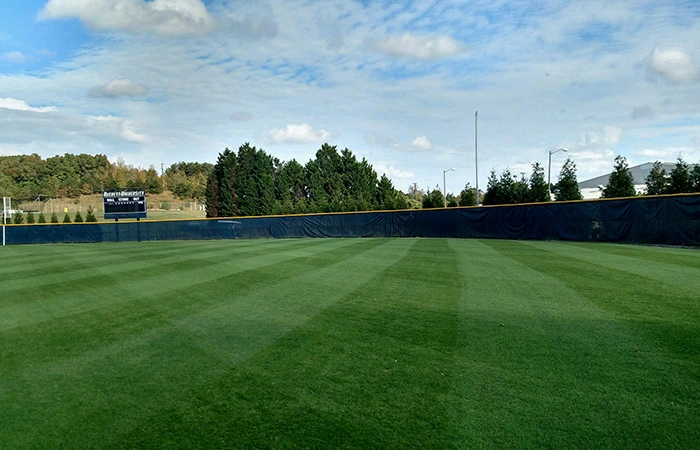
x: 90, y: 217
x: 680, y: 181
x: 520, y: 190
x: 42, y: 218
x: 538, y: 185
x: 493, y: 195
x: 621, y: 183
x: 66, y: 218
x: 54, y: 218
x: 291, y: 188
x: 467, y: 196
x: 30, y: 217
x: 434, y: 199
x: 326, y: 184
x: 254, y: 185
x: 387, y: 198
x: 451, y: 201
x: 221, y: 186
x: 17, y: 218
x: 78, y: 217
x: 695, y: 178
x: 656, y: 181
x: 567, y: 187
x: 359, y: 183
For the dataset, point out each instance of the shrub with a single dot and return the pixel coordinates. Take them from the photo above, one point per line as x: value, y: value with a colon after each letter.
x: 90, y: 217
x: 42, y: 218
x: 54, y: 218
x: 66, y: 218
x: 78, y: 217
x: 18, y: 218
x: 30, y: 217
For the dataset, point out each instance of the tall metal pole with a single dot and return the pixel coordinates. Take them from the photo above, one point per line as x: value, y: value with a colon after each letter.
x: 476, y: 156
x: 549, y: 176
x: 444, y: 189
x: 549, y: 170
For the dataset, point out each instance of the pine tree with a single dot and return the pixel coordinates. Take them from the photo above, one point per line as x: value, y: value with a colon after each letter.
x: 78, y: 217
x: 621, y: 183
x: 467, y: 197
x: 695, y: 178
x: 30, y: 217
x: 42, y: 218
x: 656, y: 181
x: 680, y: 181
x: 567, y: 187
x: 66, y: 218
x: 18, y: 218
x: 493, y: 194
x: 90, y: 217
x: 54, y: 218
x: 538, y: 185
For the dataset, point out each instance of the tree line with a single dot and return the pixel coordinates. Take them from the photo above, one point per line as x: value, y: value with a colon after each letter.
x: 252, y: 183
x: 30, y: 176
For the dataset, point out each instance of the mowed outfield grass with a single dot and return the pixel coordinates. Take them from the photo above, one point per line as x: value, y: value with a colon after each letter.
x: 349, y: 343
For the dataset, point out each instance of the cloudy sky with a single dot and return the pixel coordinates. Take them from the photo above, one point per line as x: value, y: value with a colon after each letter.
x: 396, y: 82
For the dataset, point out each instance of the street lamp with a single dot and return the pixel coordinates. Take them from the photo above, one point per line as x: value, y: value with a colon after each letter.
x: 549, y: 170
x: 444, y: 191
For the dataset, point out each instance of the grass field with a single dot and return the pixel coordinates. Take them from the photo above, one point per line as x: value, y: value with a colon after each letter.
x: 349, y: 343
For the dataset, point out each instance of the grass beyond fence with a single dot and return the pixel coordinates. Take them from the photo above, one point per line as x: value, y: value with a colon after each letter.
x: 349, y: 343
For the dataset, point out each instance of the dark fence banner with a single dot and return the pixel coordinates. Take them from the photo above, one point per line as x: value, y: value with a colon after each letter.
x: 662, y: 220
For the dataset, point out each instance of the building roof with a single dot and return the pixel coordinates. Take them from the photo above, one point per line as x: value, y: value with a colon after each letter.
x: 639, y: 175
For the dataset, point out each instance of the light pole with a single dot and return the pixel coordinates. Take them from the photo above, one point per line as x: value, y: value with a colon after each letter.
x: 444, y: 191
x: 476, y: 157
x: 549, y: 170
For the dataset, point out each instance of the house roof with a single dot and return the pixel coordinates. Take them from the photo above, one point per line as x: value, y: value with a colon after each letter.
x: 639, y: 175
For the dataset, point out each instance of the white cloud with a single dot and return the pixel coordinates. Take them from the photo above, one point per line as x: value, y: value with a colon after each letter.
x: 392, y: 172
x: 419, y: 47
x: 421, y: 143
x: 297, y: 134
x: 253, y: 25
x: 674, y: 66
x: 608, y: 137
x: 120, y: 87
x: 170, y: 18
x: 20, y: 105
x: 115, y: 126
x: 14, y: 57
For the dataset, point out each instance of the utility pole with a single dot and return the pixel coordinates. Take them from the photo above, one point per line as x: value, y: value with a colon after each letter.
x: 476, y: 157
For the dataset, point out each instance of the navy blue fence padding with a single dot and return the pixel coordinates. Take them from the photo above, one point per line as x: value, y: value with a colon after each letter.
x: 671, y: 220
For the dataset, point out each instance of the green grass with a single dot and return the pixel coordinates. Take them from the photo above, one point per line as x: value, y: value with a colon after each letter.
x: 349, y: 343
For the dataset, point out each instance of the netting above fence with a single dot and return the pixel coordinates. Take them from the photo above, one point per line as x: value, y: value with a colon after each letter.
x: 672, y: 220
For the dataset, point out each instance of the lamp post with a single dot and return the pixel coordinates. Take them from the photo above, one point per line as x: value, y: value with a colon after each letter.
x: 444, y: 190
x: 476, y: 157
x: 549, y: 170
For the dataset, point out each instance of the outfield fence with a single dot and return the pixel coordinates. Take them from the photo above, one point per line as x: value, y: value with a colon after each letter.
x: 659, y: 220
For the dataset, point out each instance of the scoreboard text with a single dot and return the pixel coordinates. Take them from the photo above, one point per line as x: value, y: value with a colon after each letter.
x: 124, y: 204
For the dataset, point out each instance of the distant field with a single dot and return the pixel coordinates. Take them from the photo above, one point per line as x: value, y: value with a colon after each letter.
x: 349, y: 343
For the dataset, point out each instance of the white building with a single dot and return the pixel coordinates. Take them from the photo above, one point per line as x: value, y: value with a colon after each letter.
x: 593, y: 188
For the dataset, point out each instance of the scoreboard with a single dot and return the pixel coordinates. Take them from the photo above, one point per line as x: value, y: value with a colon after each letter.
x: 124, y: 204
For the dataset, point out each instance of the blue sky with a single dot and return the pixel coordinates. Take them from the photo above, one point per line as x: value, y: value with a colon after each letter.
x: 396, y: 82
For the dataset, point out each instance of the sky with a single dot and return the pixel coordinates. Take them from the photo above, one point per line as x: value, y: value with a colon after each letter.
x: 396, y: 82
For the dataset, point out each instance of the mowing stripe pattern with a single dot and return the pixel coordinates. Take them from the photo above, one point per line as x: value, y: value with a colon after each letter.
x: 349, y: 343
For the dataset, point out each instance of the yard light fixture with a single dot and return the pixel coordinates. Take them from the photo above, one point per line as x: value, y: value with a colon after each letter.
x: 549, y: 170
x: 444, y: 191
